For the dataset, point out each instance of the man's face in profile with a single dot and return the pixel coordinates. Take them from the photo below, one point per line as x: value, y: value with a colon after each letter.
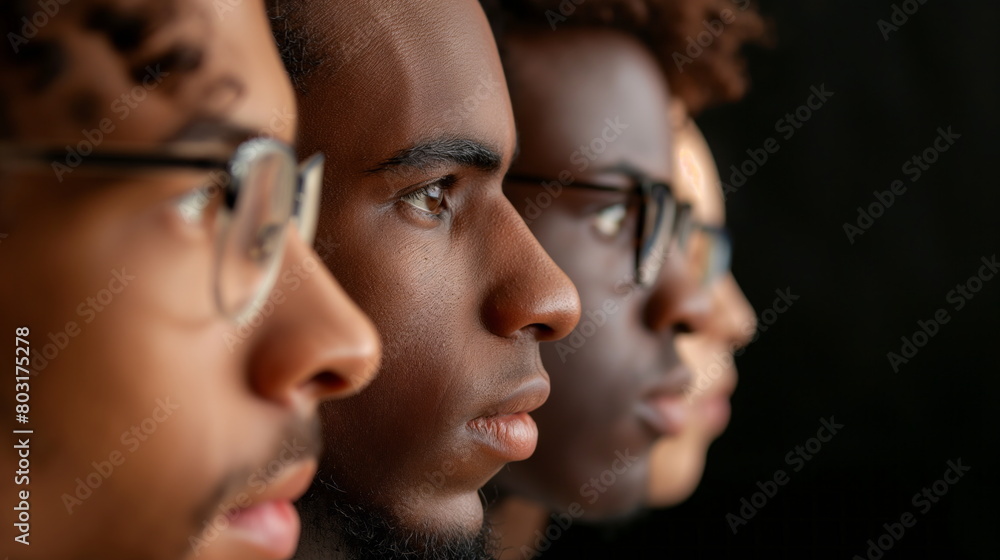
x: 411, y: 106
x: 162, y: 428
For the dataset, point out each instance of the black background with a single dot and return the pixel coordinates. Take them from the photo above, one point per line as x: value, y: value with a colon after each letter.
x: 827, y: 356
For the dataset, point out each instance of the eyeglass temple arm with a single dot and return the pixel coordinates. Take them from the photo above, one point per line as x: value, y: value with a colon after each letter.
x: 574, y: 184
x: 115, y: 159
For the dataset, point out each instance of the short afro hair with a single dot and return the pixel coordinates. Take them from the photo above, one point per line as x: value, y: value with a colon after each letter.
x: 299, y: 49
x: 704, y: 77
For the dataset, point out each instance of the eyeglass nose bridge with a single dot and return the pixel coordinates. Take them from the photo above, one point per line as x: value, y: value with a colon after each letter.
x: 666, y: 234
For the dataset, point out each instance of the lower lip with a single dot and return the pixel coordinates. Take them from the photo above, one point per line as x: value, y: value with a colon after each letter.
x: 511, y: 436
x: 717, y: 412
x: 272, y: 527
x: 668, y: 415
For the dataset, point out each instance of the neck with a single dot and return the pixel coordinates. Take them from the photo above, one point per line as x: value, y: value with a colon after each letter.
x: 517, y: 522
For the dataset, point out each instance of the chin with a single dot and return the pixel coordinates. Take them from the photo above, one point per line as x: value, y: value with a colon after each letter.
x: 677, y: 468
x: 461, y: 513
x: 623, y: 494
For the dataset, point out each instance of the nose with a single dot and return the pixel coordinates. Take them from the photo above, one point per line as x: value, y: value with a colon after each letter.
x: 733, y: 319
x: 527, y: 292
x: 677, y: 302
x: 316, y: 345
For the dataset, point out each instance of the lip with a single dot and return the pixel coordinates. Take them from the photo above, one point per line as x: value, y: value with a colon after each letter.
x: 665, y: 408
x: 269, y: 523
x: 507, y: 429
x: 716, y: 411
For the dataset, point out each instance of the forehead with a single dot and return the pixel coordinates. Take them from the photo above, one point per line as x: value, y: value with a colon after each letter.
x: 567, y: 84
x: 145, y: 69
x: 696, y: 176
x: 395, y: 73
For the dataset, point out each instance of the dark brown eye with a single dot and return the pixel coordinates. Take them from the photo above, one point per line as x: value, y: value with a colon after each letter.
x: 429, y: 199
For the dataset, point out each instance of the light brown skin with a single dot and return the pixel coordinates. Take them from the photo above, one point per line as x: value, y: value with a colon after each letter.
x: 461, y: 300
x: 678, y: 463
x: 563, y: 87
x: 162, y: 337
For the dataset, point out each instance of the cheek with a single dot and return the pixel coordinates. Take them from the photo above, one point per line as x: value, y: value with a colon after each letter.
x: 596, y: 368
x: 124, y: 406
x: 600, y: 268
x: 711, y: 363
x: 414, y: 286
x: 112, y: 389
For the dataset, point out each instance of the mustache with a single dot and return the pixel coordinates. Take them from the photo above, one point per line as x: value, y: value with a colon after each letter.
x: 301, y: 440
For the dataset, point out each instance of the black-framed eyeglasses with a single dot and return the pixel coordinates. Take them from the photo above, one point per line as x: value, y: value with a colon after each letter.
x: 663, y: 222
x: 263, y: 190
x: 710, y: 253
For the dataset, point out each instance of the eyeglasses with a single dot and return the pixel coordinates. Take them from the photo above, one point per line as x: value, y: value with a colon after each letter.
x: 662, y: 220
x: 709, y: 253
x: 262, y: 189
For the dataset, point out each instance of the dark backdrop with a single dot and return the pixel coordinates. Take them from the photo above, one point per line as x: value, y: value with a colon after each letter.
x: 827, y: 355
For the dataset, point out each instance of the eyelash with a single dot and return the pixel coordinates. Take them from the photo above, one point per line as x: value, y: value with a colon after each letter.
x: 202, y: 203
x: 443, y: 184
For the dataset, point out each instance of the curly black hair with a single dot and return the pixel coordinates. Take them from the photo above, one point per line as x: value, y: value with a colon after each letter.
x: 295, y: 39
x: 699, y: 43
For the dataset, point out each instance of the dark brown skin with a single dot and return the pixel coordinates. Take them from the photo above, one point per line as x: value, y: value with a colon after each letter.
x: 161, y: 337
x: 461, y: 299
x: 563, y: 86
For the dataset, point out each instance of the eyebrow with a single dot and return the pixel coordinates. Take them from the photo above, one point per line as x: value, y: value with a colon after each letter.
x: 201, y: 129
x: 425, y: 155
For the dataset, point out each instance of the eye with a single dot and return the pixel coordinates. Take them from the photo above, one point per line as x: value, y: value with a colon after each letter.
x: 609, y: 220
x: 430, y: 198
x: 198, y: 205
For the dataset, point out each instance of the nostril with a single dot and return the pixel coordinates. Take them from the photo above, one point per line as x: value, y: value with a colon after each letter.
x: 542, y: 331
x: 328, y: 382
x: 683, y: 327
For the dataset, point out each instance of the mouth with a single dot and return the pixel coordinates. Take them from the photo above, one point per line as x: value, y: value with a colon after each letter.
x: 716, y: 412
x: 714, y: 405
x: 267, y: 521
x: 507, y: 430
x: 665, y: 408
